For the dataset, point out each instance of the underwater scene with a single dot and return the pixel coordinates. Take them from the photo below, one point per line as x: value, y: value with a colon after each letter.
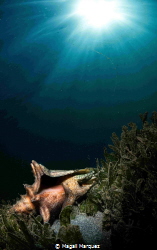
x: 78, y: 124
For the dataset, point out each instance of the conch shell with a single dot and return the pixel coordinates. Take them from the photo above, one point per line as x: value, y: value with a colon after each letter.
x: 53, y: 190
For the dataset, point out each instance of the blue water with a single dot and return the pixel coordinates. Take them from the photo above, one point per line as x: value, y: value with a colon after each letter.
x: 65, y: 86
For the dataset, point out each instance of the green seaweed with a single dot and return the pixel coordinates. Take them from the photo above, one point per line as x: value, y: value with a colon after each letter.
x: 65, y: 216
x: 70, y: 234
x: 126, y: 190
x: 24, y: 232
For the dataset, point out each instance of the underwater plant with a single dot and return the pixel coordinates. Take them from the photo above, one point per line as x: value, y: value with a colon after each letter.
x: 24, y: 232
x: 126, y: 191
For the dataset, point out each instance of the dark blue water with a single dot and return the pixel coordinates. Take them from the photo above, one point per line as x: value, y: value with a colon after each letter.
x: 66, y: 86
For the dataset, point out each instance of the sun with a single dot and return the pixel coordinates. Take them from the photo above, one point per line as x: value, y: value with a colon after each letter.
x: 98, y: 13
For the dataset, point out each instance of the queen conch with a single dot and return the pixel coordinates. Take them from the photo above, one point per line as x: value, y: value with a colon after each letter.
x: 53, y: 190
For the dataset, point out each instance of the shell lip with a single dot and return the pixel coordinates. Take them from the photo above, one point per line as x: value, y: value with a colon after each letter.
x: 60, y: 173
